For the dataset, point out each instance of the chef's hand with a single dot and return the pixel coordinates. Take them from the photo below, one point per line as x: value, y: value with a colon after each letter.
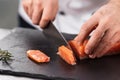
x: 105, y: 25
x: 41, y: 11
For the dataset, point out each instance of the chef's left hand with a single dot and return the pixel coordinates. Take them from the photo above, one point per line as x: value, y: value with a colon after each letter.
x: 105, y: 25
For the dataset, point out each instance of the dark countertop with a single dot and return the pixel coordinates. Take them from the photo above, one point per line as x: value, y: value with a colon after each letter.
x: 20, y: 40
x: 3, y: 33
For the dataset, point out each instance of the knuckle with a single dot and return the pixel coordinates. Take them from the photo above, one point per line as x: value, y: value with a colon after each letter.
x: 84, y: 25
x: 107, y: 21
x: 97, y: 34
x: 38, y: 3
x: 34, y: 16
x: 29, y: 2
x: 84, y: 28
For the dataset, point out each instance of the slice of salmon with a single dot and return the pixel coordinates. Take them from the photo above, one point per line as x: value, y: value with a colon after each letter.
x: 78, y: 49
x: 67, y: 55
x: 38, y: 56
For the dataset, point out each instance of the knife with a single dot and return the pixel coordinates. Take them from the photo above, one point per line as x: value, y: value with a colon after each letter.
x: 54, y: 36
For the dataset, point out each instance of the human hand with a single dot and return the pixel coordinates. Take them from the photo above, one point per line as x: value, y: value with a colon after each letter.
x: 41, y: 11
x: 105, y: 25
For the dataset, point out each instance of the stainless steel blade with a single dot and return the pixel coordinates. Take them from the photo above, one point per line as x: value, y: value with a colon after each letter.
x: 54, y: 36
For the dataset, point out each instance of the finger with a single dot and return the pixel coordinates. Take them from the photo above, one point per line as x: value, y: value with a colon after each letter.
x: 47, y: 15
x: 53, y: 19
x: 100, y: 52
x: 30, y: 9
x: 87, y: 28
x: 102, y: 47
x: 37, y: 13
x: 26, y: 9
x: 112, y: 41
x: 95, y: 38
x: 25, y: 6
x: 76, y: 38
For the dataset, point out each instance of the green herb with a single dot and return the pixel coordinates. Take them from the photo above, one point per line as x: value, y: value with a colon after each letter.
x: 5, y: 56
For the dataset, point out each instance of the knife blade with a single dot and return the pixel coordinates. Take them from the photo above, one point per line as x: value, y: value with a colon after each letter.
x: 54, y: 36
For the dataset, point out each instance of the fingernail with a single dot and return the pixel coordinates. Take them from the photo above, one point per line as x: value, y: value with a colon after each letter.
x: 76, y: 38
x: 34, y: 21
x: 89, y: 51
x: 92, y: 56
x: 43, y: 24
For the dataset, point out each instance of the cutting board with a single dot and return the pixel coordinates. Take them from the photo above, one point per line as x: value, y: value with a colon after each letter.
x: 20, y: 40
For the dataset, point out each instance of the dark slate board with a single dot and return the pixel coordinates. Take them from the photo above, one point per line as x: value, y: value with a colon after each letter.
x: 20, y: 40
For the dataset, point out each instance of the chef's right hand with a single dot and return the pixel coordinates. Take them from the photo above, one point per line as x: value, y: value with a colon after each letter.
x: 41, y: 11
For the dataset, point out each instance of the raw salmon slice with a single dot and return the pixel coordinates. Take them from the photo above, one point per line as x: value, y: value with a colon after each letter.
x: 67, y: 55
x: 78, y: 49
x: 38, y: 56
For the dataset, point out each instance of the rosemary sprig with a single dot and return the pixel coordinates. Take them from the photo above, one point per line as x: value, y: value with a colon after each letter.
x: 5, y: 56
